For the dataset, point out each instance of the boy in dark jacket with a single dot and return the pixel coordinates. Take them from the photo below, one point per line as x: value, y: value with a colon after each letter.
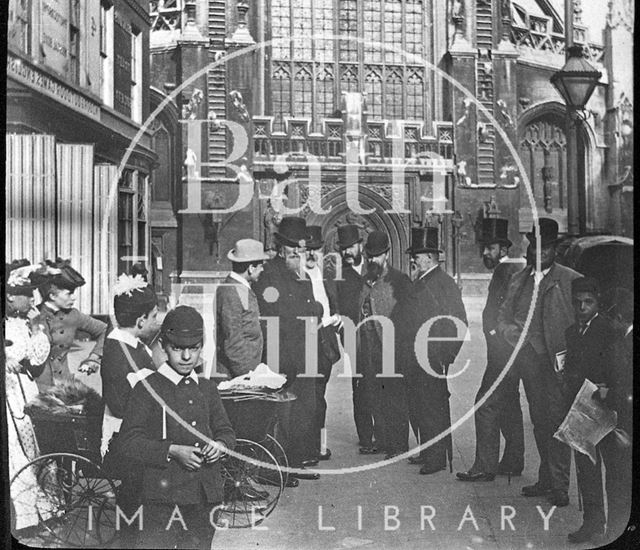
x: 176, y: 427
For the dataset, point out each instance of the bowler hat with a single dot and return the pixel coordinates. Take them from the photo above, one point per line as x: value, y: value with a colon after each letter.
x: 548, y: 232
x: 247, y: 250
x: 424, y: 239
x: 292, y: 231
x: 183, y: 326
x: 585, y: 284
x: 495, y: 230
x: 314, y: 237
x: 377, y: 243
x: 348, y: 235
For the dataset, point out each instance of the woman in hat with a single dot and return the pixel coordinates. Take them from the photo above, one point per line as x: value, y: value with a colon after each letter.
x: 62, y: 322
x: 26, y: 350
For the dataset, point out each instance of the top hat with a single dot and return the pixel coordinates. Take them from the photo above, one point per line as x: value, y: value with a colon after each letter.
x: 183, y: 326
x: 424, y: 239
x: 314, y: 237
x: 247, y: 250
x: 585, y: 284
x: 292, y: 231
x: 377, y: 243
x: 495, y: 230
x: 548, y: 232
x: 348, y: 235
x: 132, y: 294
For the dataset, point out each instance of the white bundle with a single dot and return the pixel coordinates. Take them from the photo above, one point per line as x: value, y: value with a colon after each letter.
x: 34, y: 347
x: 260, y: 377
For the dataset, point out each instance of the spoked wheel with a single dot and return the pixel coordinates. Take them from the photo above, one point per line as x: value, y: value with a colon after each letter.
x: 251, y: 490
x: 277, y: 450
x: 69, y: 497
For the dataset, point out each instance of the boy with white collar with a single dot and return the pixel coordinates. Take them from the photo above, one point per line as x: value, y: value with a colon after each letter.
x: 176, y: 429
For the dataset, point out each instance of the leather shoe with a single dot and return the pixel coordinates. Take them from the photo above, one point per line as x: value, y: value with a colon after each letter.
x: 325, y: 456
x: 303, y: 475
x: 416, y: 460
x: 427, y: 470
x: 535, y: 490
x: 291, y: 481
x: 475, y: 476
x: 310, y: 462
x: 369, y: 450
x: 559, y: 499
x: 587, y: 534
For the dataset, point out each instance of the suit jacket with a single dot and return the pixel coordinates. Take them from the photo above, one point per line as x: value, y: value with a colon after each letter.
x: 239, y: 336
x: 620, y: 396
x: 554, y: 299
x: 590, y: 355
x: 284, y: 295
x: 348, y: 292
x: 141, y: 441
x: 62, y: 326
x: 433, y: 295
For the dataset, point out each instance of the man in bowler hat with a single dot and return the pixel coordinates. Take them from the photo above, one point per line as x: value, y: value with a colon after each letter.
x: 348, y: 290
x: 536, y: 359
x: 384, y: 288
x: 433, y: 294
x: 501, y: 412
x: 285, y: 293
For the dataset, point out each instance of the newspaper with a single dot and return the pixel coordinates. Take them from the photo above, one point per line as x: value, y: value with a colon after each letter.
x: 587, y: 422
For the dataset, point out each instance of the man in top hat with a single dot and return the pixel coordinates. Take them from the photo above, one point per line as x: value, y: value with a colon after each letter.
x: 286, y: 294
x: 62, y: 321
x: 433, y: 294
x: 349, y: 286
x: 176, y: 429
x: 501, y: 412
x: 536, y: 359
x: 384, y: 288
x: 239, y: 336
x: 324, y: 292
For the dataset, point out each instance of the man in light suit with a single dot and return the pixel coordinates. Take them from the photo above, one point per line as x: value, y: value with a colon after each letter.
x: 239, y: 335
x: 536, y: 359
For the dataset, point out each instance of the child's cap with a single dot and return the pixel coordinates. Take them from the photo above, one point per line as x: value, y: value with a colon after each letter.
x: 183, y: 326
x: 585, y: 284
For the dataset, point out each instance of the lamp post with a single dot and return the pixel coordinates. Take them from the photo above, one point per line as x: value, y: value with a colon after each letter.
x: 575, y: 82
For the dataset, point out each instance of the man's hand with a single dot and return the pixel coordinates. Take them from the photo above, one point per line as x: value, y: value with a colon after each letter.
x: 214, y: 450
x: 89, y: 366
x: 187, y: 456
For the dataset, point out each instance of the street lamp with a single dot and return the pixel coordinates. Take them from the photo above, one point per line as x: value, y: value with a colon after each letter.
x: 575, y: 82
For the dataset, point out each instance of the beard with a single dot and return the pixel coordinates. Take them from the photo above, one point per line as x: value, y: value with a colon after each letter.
x: 351, y: 259
x: 374, y: 271
x: 489, y: 262
x: 293, y: 264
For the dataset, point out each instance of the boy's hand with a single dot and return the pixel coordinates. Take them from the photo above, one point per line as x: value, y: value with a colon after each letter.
x: 89, y: 366
x: 214, y: 450
x: 187, y: 456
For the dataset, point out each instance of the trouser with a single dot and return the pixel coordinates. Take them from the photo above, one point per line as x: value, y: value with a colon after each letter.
x: 428, y: 400
x: 189, y: 527
x: 560, y: 400
x: 500, y: 412
x: 366, y: 390
x: 295, y: 421
x: 619, y: 466
x: 363, y: 413
x: 315, y: 435
x: 533, y: 370
x: 394, y: 419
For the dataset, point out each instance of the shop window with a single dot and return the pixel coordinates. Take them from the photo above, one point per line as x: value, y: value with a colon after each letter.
x: 136, y: 74
x: 132, y: 219
x: 74, y: 41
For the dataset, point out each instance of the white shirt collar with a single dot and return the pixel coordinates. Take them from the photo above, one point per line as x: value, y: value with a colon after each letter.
x: 166, y: 371
x: 51, y: 306
x: 358, y: 268
x: 588, y: 323
x: 544, y: 271
x: 427, y: 272
x: 127, y: 338
x: 236, y: 277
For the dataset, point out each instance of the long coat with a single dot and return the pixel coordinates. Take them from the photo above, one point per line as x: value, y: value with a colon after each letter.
x: 141, y: 438
x: 293, y: 298
x: 239, y: 339
x: 554, y: 298
x: 62, y: 326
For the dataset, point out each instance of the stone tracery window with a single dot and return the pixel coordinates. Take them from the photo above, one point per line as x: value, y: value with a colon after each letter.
x: 308, y: 76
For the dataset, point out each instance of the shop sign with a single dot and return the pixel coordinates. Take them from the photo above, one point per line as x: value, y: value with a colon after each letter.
x: 54, y: 37
x: 23, y: 72
x: 122, y: 67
